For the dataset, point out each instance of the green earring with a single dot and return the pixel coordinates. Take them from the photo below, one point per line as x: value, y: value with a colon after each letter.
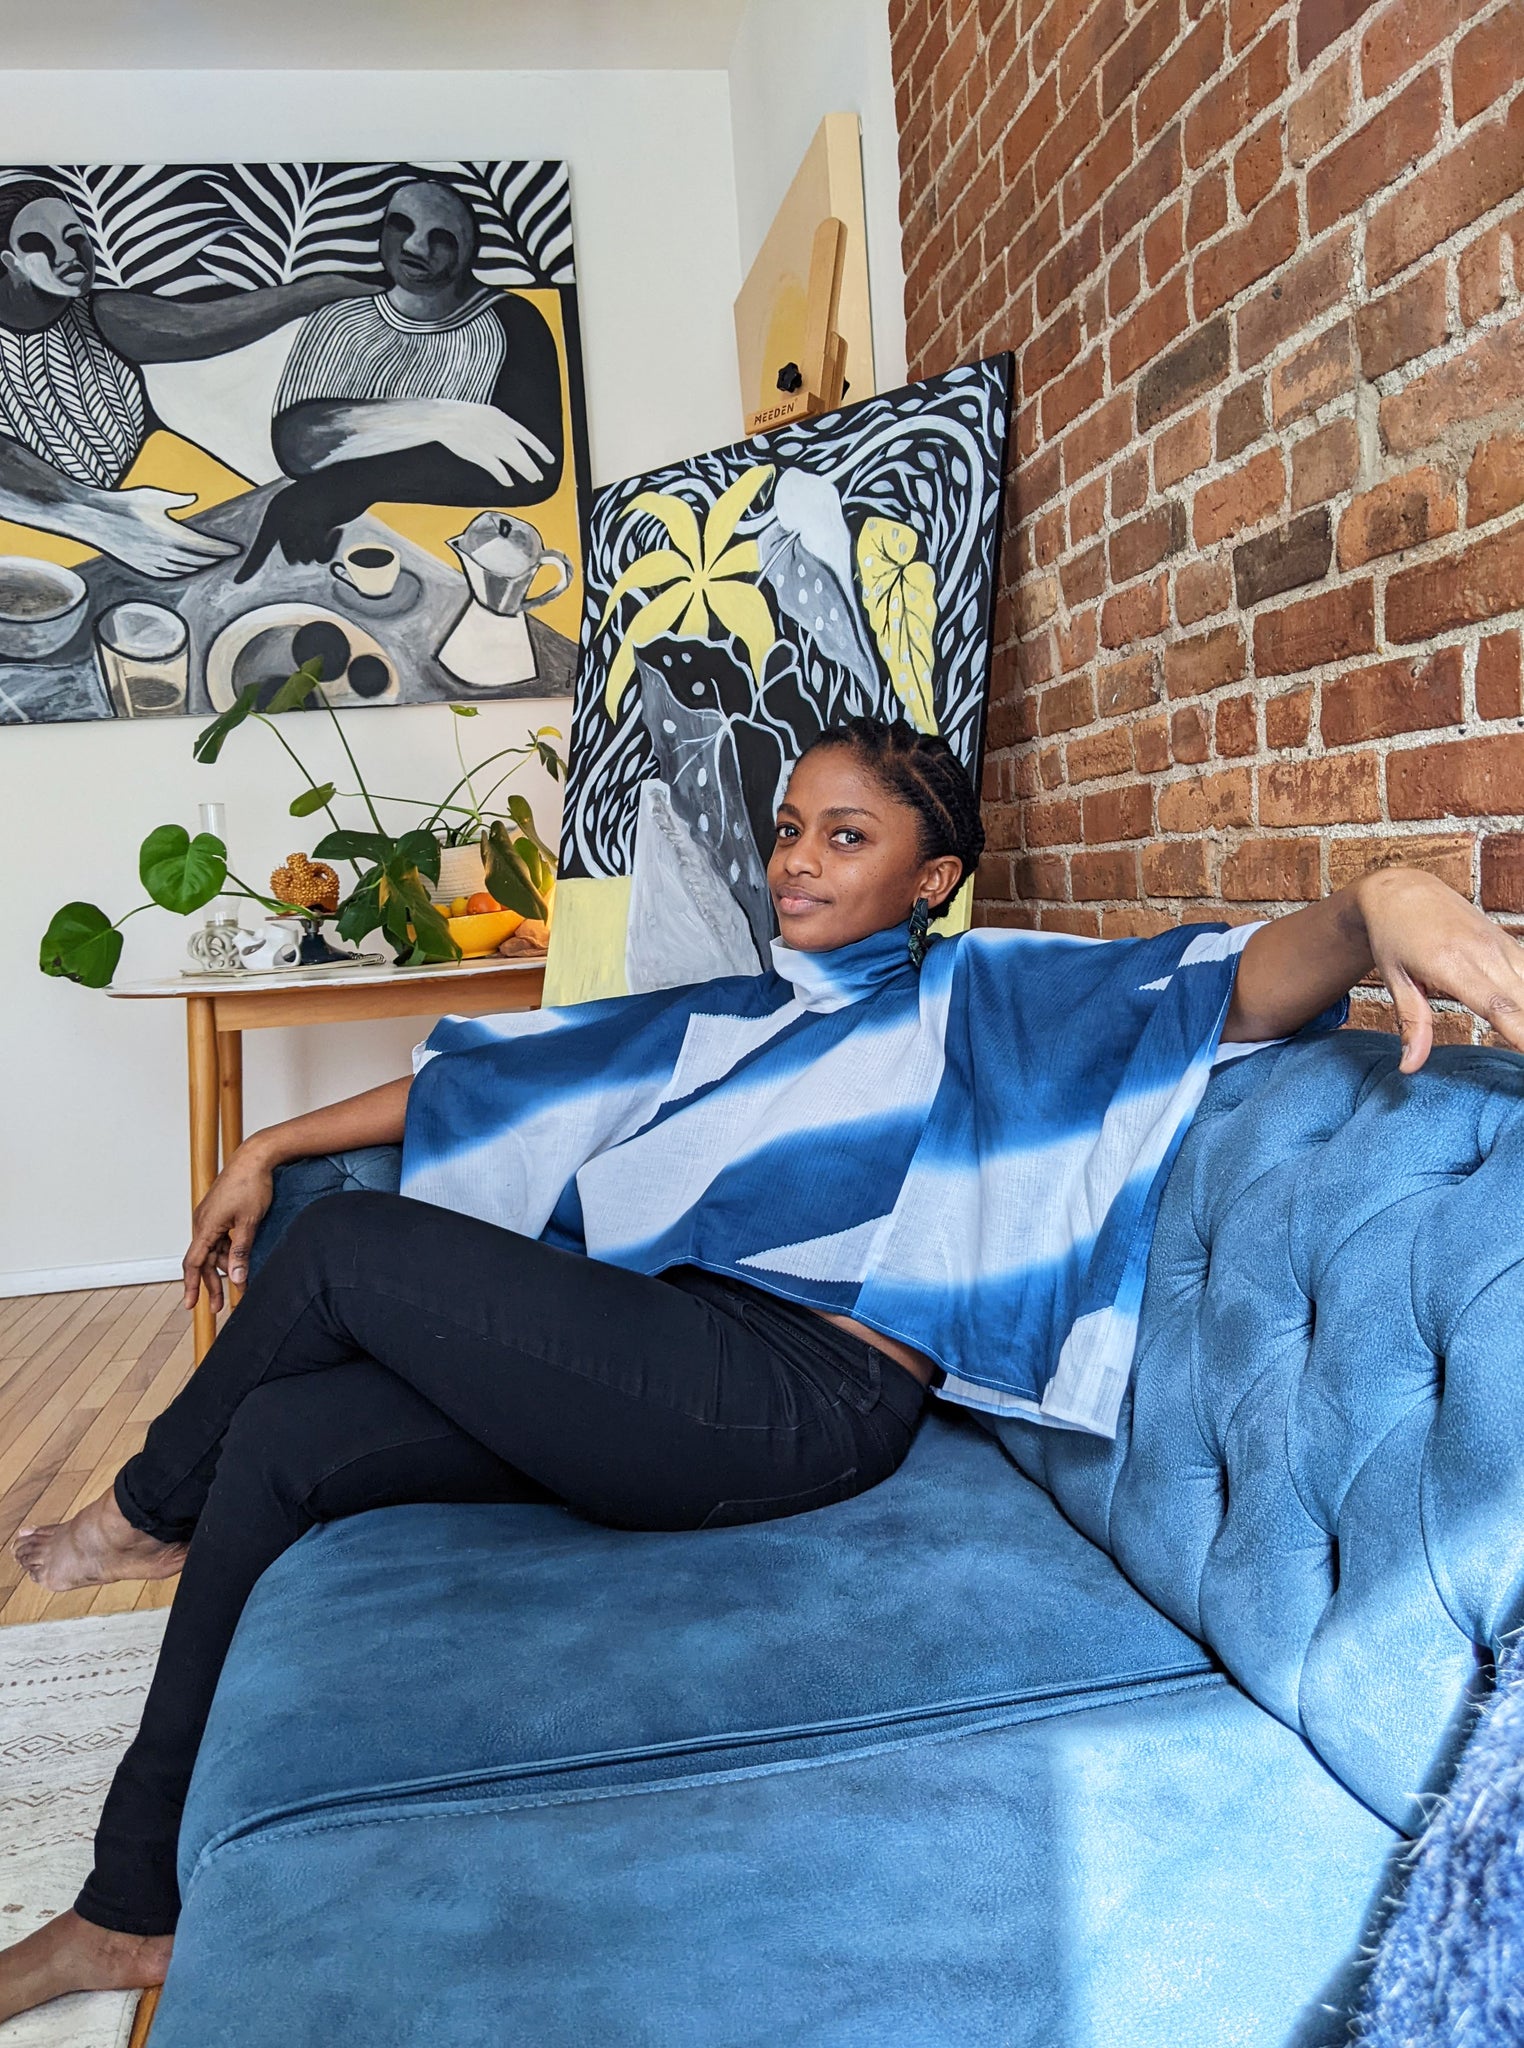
x: 920, y: 918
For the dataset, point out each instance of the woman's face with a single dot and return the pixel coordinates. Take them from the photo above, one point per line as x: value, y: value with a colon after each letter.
x: 846, y: 859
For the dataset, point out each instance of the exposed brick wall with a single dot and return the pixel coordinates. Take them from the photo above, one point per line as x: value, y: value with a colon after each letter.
x: 1258, y: 622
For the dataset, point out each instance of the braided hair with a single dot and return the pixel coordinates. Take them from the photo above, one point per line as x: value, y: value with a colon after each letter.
x: 919, y: 769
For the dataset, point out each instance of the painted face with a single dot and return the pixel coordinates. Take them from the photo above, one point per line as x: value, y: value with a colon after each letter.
x: 425, y: 237
x: 50, y: 249
x: 847, y: 857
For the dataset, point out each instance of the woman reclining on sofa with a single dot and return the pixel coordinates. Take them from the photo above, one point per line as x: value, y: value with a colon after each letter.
x: 694, y: 1258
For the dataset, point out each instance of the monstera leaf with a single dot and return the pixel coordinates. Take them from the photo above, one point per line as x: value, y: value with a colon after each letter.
x: 900, y: 594
x: 181, y: 873
x: 81, y: 944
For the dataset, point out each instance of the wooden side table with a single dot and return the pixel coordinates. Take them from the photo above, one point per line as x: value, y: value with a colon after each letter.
x: 220, y: 1008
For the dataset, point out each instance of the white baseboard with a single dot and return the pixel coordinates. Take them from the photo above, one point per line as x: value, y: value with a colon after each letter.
x: 74, y: 1279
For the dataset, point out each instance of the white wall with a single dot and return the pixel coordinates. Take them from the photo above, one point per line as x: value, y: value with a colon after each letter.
x: 793, y: 62
x: 92, y: 1114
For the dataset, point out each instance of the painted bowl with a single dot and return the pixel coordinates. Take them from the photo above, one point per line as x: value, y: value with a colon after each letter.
x: 478, y: 936
x: 41, y: 606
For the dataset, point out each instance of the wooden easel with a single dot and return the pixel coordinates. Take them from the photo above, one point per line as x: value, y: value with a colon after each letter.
x: 822, y: 368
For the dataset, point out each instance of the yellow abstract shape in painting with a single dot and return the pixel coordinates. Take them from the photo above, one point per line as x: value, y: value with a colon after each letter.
x: 900, y: 594
x: 693, y: 578
x: 587, y: 928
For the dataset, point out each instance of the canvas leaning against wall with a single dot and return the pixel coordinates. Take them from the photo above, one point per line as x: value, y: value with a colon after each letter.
x: 257, y: 414
x: 737, y: 604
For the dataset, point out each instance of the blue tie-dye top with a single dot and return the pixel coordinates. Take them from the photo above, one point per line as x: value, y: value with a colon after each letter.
x: 967, y: 1158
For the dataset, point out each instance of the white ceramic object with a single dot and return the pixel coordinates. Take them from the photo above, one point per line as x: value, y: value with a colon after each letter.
x: 462, y: 872
x: 41, y: 605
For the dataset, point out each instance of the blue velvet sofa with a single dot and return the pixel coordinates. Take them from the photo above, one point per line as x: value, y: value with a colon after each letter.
x: 1047, y: 1741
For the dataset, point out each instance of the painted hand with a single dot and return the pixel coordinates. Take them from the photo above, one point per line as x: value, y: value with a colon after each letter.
x: 135, y: 526
x: 496, y: 443
x: 1428, y: 941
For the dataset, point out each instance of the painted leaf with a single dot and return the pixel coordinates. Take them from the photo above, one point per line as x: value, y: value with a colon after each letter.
x: 657, y: 616
x: 900, y: 595
x: 646, y: 572
x: 677, y: 515
x: 729, y: 508
x: 742, y: 609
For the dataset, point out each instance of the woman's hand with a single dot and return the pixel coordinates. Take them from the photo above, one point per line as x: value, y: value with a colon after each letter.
x: 1417, y: 933
x: 223, y: 1227
x: 1424, y: 941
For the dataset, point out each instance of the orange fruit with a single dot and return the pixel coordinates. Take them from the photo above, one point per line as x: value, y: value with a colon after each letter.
x: 481, y: 904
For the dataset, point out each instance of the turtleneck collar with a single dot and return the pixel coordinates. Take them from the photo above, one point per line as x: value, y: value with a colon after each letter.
x: 830, y: 981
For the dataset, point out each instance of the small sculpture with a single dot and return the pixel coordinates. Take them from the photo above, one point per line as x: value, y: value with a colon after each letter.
x: 311, y: 885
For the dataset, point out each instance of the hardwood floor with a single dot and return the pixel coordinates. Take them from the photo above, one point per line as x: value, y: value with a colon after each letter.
x: 81, y: 1376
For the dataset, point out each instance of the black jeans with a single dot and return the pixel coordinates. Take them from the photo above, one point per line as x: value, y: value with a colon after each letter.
x: 391, y: 1351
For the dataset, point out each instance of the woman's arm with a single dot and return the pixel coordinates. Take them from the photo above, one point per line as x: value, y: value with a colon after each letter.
x: 1420, y: 937
x: 232, y: 1208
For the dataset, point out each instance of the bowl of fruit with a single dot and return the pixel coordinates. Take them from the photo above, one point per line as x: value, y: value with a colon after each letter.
x: 479, y: 924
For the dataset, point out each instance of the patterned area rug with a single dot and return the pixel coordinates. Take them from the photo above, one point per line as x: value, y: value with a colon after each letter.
x: 70, y: 1696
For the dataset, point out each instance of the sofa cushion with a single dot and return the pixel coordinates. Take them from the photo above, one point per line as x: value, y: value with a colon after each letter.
x: 451, y: 1648
x: 1320, y: 1472
x: 1174, y: 1870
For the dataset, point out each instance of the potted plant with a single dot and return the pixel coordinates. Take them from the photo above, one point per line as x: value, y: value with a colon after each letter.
x: 397, y: 874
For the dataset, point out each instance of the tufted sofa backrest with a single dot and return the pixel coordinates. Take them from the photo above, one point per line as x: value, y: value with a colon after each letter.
x: 1320, y: 1468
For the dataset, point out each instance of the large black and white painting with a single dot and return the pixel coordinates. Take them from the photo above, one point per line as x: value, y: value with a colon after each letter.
x: 253, y: 414
x: 736, y: 604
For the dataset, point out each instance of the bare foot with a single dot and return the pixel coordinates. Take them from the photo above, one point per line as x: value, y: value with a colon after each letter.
x: 70, y: 1954
x: 94, y: 1548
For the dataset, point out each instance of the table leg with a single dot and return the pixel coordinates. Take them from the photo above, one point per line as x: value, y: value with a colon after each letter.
x: 201, y: 1060
x: 230, y: 1096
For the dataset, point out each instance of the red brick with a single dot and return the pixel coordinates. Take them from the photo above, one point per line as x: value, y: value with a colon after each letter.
x: 1330, y: 627
x: 1075, y: 392
x: 1063, y: 917
x: 1207, y: 803
x: 1229, y: 108
x: 1499, y: 682
x: 1135, y: 922
x: 1135, y: 614
x: 1257, y: 166
x: 1248, y: 18
x: 1050, y: 769
x: 1182, y: 449
x: 1305, y: 289
x: 1105, y: 877
x: 1187, y: 373
x: 1048, y: 538
x: 1241, y: 419
x: 1272, y: 871
x: 1112, y: 814
x: 993, y: 877
x: 1403, y: 35
x: 1036, y: 602
x: 1052, y: 351
x: 1286, y: 558
x: 1208, y: 212
x: 1405, y: 323
x: 1053, y: 27
x: 1144, y: 543
x: 1205, y: 663
x: 1325, y: 464
x: 1446, y: 854
x: 1180, y: 77
x: 1321, y: 22
x: 1151, y: 329
x: 1099, y: 438
x: 1098, y: 170
x: 1083, y: 576
x: 1478, y: 584
x: 1483, y: 169
x: 1065, y: 706
x: 1028, y: 129
x: 1202, y: 589
x: 1401, y: 513
x: 1052, y: 824
x: 1486, y: 63
x: 1138, y: 53
x: 1235, y: 730
x: 1483, y: 378
x: 1288, y: 720
x: 1464, y: 779
x: 1068, y: 267
x: 1147, y: 185
x: 1076, y: 640
x: 1190, y: 735
x: 1041, y: 877
x: 1101, y: 24
x: 1087, y: 511
x: 1175, y: 868
x: 1164, y: 243
x: 1150, y: 745
x: 1099, y: 755
x: 1247, y: 497
x: 1392, y: 697
x: 1503, y: 871
x: 1338, y: 789
x: 1483, y: 282
x: 1124, y: 280
x: 1307, y: 380
x: 1129, y: 489
x: 1127, y: 685
x: 1241, y: 259
x: 1319, y: 115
